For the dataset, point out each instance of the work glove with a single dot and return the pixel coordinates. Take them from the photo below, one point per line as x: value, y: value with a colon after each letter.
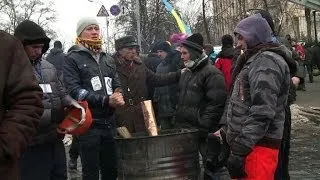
x: 236, y: 160
x: 236, y: 166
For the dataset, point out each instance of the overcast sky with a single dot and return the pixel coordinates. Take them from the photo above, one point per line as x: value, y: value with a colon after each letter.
x: 70, y: 11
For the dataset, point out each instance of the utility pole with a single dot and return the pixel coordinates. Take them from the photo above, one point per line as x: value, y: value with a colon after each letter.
x: 138, y: 23
x: 315, y: 26
x: 108, y: 40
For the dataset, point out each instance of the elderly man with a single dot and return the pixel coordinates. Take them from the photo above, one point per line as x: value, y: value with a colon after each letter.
x: 135, y: 78
x: 90, y: 75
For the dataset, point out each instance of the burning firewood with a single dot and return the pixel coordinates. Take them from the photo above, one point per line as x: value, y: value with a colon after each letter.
x: 149, y: 118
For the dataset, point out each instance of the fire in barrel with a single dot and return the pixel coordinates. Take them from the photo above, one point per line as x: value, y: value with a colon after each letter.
x: 170, y: 154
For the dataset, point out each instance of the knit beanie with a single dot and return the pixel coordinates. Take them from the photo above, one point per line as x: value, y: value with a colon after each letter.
x: 194, y: 42
x: 85, y: 22
x: 227, y: 41
x: 164, y: 46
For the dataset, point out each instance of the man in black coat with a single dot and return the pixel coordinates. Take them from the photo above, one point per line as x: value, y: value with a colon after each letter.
x: 202, y: 95
x: 56, y: 56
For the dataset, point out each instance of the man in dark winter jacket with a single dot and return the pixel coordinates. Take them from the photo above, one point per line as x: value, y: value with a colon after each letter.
x: 282, y: 171
x: 256, y: 108
x: 56, y: 57
x: 224, y: 59
x: 45, y: 157
x: 202, y: 94
x: 90, y: 74
x: 20, y: 102
x: 135, y: 79
x: 166, y: 97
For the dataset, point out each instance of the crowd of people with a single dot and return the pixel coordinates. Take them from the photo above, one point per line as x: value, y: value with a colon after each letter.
x: 238, y: 99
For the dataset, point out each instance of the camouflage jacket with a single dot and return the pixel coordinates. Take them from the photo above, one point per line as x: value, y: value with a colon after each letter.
x: 256, y: 109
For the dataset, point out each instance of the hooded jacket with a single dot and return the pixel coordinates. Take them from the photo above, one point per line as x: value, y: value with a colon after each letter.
x: 29, y: 32
x: 55, y: 98
x: 20, y: 105
x: 57, y: 58
x: 224, y: 64
x: 256, y: 108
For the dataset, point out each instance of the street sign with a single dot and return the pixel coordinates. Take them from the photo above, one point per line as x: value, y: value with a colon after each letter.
x: 115, y: 10
x: 103, y: 12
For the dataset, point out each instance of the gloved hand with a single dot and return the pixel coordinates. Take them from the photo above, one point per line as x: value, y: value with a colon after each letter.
x: 67, y: 140
x: 236, y: 166
x: 236, y: 160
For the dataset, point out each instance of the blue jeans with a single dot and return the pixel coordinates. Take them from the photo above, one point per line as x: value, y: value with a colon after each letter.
x: 44, y: 162
x: 98, y: 153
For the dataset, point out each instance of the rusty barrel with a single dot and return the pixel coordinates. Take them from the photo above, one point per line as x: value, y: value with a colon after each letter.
x: 172, y: 155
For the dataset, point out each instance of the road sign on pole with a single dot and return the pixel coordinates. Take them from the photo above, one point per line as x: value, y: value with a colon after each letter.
x: 115, y: 10
x: 103, y: 12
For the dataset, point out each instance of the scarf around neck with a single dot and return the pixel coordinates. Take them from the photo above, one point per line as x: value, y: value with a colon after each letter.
x: 92, y: 45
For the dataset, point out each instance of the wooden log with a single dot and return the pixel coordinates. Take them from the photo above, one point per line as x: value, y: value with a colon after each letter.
x: 149, y: 118
x: 124, y: 132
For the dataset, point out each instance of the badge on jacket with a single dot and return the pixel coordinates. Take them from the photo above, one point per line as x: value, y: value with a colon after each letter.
x: 46, y: 88
x: 108, y: 82
x: 96, y: 83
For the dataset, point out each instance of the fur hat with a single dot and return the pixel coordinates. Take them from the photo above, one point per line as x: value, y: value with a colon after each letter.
x: 194, y: 42
x: 85, y: 22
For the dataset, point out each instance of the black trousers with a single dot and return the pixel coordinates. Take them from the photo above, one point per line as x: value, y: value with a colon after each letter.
x: 282, y: 171
x: 98, y: 153
x: 74, y: 148
x: 44, y: 162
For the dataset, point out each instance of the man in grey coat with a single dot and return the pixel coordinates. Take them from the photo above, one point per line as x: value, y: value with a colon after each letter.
x: 45, y: 156
x: 256, y: 107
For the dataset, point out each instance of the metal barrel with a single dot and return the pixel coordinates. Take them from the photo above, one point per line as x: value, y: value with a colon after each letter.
x: 172, y: 155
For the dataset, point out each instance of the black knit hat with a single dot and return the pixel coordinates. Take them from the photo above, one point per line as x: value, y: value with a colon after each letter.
x: 126, y: 41
x: 29, y: 32
x: 194, y: 42
x: 163, y: 45
x: 227, y: 40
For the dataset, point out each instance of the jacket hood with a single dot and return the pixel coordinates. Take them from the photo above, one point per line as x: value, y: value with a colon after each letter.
x: 29, y: 32
x: 283, y: 51
x: 55, y: 51
x: 255, y: 30
x: 226, y: 53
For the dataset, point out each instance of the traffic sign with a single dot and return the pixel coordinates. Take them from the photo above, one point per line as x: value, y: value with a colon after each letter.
x: 103, y: 12
x: 115, y: 10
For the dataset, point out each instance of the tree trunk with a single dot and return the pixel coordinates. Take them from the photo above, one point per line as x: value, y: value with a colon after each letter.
x: 308, y: 19
x: 205, y: 23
